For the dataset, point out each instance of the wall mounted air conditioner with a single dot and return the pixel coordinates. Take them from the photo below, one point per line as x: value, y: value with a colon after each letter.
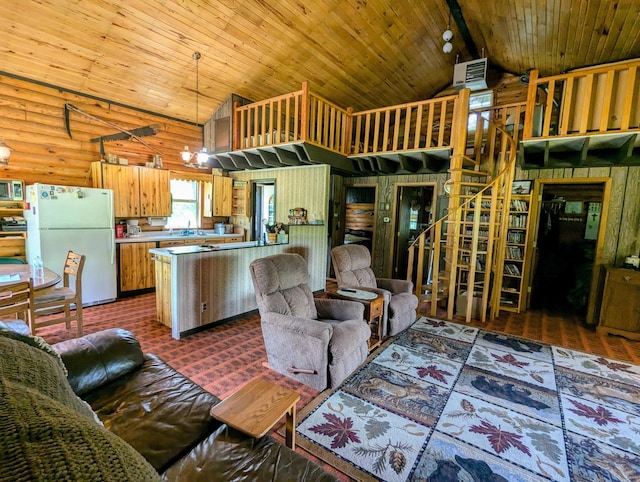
x: 471, y: 75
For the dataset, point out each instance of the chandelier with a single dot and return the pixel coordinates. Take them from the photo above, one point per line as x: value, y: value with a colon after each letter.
x: 198, y: 159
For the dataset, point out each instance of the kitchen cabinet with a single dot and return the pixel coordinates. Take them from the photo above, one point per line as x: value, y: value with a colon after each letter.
x: 620, y: 312
x: 155, y: 192
x: 136, y: 270
x: 137, y: 191
x: 163, y: 288
x: 12, y: 243
x: 222, y: 196
x: 206, y: 197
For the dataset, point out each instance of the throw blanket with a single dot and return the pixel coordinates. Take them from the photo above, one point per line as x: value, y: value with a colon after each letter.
x: 46, y: 431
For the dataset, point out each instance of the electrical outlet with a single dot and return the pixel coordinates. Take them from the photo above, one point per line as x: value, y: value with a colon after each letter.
x: 203, y: 307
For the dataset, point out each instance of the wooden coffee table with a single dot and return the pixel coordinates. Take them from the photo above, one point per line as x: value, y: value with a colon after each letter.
x: 255, y: 408
x: 373, y: 310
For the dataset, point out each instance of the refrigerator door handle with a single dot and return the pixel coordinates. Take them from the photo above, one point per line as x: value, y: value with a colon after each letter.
x: 112, y: 243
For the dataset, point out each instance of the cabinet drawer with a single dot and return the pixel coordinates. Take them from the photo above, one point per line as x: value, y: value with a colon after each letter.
x: 624, y: 276
x: 213, y: 241
x: 166, y: 244
x: 376, y: 308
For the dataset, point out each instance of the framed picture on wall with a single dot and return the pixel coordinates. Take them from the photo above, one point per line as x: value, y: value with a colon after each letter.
x: 521, y: 187
x: 573, y: 207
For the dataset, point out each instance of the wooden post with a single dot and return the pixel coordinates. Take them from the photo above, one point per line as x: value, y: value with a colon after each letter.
x: 304, y: 112
x: 531, y: 104
x: 459, y: 143
x: 348, y: 132
x: 236, y: 140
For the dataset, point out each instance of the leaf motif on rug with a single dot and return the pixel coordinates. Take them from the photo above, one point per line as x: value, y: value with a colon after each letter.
x: 500, y: 440
x: 445, y: 402
x: 599, y: 414
x: 337, y: 428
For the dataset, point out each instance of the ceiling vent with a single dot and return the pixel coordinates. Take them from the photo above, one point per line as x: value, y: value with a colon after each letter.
x: 471, y: 75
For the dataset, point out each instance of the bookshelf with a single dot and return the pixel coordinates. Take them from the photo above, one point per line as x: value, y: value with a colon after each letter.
x: 514, y: 289
x: 240, y: 198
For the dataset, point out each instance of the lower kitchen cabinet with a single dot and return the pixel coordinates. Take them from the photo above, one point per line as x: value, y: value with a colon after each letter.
x: 136, y: 268
x: 163, y: 288
x: 620, y: 312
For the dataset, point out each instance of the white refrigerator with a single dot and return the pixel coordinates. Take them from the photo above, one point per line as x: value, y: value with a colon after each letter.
x: 63, y: 218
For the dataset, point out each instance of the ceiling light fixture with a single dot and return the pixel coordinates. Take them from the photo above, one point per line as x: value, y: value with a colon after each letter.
x: 447, y: 35
x: 5, y: 152
x: 202, y: 156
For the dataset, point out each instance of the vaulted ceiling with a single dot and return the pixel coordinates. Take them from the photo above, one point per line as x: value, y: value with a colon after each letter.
x: 359, y: 53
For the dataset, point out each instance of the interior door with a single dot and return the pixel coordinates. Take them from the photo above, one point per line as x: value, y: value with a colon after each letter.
x: 568, y: 245
x: 413, y: 214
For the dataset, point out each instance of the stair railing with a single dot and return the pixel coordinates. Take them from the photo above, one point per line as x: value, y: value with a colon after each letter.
x: 435, y: 235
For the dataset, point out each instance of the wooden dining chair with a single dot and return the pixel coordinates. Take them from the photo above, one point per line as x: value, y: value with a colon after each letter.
x: 16, y: 303
x: 59, y: 300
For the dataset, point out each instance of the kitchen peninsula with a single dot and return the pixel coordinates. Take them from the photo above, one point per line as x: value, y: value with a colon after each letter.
x: 200, y: 285
x: 135, y: 268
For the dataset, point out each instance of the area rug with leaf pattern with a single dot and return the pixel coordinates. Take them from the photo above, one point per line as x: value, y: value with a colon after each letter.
x: 447, y: 402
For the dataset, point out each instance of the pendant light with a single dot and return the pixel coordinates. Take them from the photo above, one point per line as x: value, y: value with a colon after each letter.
x: 447, y: 35
x: 202, y: 156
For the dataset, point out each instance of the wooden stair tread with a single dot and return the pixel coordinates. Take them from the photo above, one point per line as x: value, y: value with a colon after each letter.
x: 471, y: 172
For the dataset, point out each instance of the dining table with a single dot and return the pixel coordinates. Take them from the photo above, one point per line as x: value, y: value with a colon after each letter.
x: 14, y: 273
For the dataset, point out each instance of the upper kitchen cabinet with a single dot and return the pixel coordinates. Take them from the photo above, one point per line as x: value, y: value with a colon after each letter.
x: 222, y: 196
x: 137, y: 191
x: 155, y: 192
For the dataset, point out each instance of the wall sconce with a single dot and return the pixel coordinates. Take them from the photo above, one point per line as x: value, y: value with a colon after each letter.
x: 5, y: 152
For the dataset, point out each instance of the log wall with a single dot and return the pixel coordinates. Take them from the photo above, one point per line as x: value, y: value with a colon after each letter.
x: 32, y: 123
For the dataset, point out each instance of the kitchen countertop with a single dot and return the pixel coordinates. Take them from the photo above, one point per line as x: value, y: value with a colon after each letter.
x: 203, y: 248
x: 166, y: 236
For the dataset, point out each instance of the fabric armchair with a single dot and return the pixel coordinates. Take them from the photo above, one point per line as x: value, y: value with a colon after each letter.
x: 318, y: 342
x: 352, y: 267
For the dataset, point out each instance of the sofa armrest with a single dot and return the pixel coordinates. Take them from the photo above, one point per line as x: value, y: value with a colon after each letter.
x: 339, y: 309
x: 395, y: 285
x: 99, y: 358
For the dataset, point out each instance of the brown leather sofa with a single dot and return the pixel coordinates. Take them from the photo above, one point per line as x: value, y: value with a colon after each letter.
x: 165, y: 417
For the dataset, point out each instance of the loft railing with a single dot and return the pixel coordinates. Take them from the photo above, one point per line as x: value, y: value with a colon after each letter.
x: 303, y: 116
x: 416, y: 125
x: 270, y: 122
x: 294, y: 117
x: 328, y: 124
x: 594, y: 100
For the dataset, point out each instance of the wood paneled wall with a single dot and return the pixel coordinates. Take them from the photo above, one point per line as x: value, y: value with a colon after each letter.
x: 623, y: 220
x: 306, y: 187
x: 296, y: 187
x: 32, y: 123
x: 383, y: 238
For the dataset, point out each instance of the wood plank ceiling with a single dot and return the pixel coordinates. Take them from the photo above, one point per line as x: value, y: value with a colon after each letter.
x: 359, y: 53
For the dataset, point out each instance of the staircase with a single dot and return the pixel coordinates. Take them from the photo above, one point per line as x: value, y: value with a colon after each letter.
x: 465, y: 248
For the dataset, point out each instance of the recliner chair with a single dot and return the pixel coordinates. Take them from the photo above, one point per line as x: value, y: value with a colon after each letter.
x: 352, y: 267
x: 318, y: 342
